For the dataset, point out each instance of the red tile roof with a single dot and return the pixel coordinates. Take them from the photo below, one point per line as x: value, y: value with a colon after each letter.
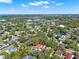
x: 39, y: 46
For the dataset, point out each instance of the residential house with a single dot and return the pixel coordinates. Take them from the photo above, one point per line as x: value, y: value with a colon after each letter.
x: 68, y: 54
x: 5, y: 43
x: 0, y: 46
x: 62, y: 26
x: 29, y: 43
x: 29, y: 57
x: 14, y: 38
x: 59, y: 53
x: 11, y: 49
x: 5, y: 33
x: 39, y: 47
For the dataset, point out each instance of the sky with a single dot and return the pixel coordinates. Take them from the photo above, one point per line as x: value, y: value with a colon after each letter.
x: 39, y: 6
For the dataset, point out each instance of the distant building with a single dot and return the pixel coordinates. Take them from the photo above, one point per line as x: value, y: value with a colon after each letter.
x: 5, y: 33
x: 62, y: 26
x: 11, y: 49
x: 39, y: 47
x: 14, y: 38
x: 0, y: 46
x: 29, y: 57
x: 68, y: 54
x: 6, y: 43
x: 59, y: 53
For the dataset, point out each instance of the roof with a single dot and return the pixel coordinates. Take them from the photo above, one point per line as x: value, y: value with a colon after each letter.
x: 39, y: 46
x: 68, y: 51
x: 59, y: 52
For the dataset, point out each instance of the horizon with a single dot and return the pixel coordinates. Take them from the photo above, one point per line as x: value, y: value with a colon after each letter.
x: 39, y: 14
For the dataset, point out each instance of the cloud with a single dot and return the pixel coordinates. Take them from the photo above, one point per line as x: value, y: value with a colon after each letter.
x: 44, y: 2
x: 53, y: 2
x: 59, y: 4
x: 39, y: 3
x: 23, y: 5
x: 12, y: 10
x: 45, y: 6
x: 6, y: 1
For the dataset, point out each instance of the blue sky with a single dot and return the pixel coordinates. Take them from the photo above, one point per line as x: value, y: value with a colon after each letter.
x: 39, y: 6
